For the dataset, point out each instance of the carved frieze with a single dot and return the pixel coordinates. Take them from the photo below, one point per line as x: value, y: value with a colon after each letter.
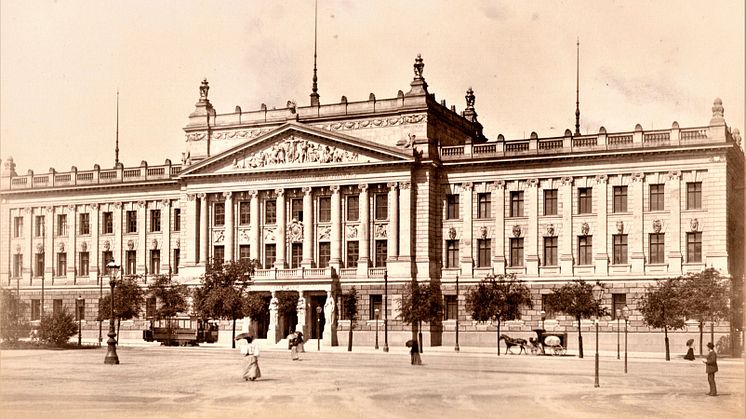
x: 375, y: 123
x: 269, y: 234
x: 230, y: 135
x: 380, y: 231
x: 218, y: 236
x: 295, y: 231
x: 295, y: 151
x: 325, y: 232
x: 351, y: 232
x: 243, y: 234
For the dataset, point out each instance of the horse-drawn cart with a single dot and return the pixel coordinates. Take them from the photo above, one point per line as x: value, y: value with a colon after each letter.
x: 548, y: 343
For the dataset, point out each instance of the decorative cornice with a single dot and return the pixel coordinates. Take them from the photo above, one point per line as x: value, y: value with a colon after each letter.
x: 334, y: 189
x: 467, y: 186
x: 279, y: 191
x: 638, y: 177
x: 405, y: 185
x: 307, y: 190
x: 674, y: 175
x: 227, y: 194
x: 533, y: 183
x: 166, y: 202
x: 602, y: 179
x: 142, y: 203
x: 363, y: 187
x: 566, y: 180
x: 499, y: 184
x: 392, y: 185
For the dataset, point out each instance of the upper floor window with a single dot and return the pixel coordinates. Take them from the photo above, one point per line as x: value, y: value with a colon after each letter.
x: 694, y: 195
x: 296, y: 209
x: 39, y: 227
x: 585, y: 200
x: 550, y: 202
x: 325, y: 209
x: 620, y: 199
x: 270, y: 212
x: 516, y: 204
x: 353, y: 208
x: 657, y: 247
x: 353, y: 253
x: 516, y: 251
x: 452, y: 210
x: 657, y: 195
x: 484, y: 209
x: 17, y: 226
x: 61, y: 224
x: 244, y: 213
x: 381, y: 252
x: 131, y: 221
x: 585, y: 250
x: 85, y: 224
x: 382, y: 206
x: 107, y: 223
x: 219, y: 214
x: 155, y: 220
x: 550, y: 251
x: 694, y: 247
x: 620, y: 249
x: 451, y: 260
x: 177, y: 219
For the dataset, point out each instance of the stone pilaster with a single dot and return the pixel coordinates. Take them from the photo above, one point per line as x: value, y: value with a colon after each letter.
x: 673, y: 202
x: 143, y: 225
x: 364, y: 211
x: 94, y: 252
x: 281, y: 237
x: 532, y: 210
x: 49, y: 243
x: 204, y: 235
x: 636, y: 239
x: 117, y: 251
x: 307, y: 261
x: 191, y: 244
x: 405, y: 223
x: 229, y: 229
x: 467, y: 254
x: 166, y: 236
x: 566, y: 262
x: 255, y: 232
x: 600, y: 241
x: 71, y: 249
x: 28, y: 249
x: 336, y: 239
x: 393, y: 212
x: 498, y: 206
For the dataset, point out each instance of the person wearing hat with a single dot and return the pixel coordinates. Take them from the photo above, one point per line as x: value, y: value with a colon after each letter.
x: 711, y: 364
x: 250, y: 351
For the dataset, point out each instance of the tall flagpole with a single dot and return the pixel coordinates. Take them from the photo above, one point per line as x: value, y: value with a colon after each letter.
x: 577, y: 90
x: 116, y: 149
x: 314, y: 88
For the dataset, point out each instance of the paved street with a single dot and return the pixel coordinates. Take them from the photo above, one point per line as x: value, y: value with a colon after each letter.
x: 154, y: 381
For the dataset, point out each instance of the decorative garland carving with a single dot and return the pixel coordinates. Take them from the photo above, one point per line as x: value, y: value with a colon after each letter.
x: 295, y: 231
x: 374, y: 123
x: 351, y: 232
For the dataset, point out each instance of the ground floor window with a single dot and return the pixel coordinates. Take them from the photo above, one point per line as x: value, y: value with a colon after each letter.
x: 618, y: 301
x: 218, y: 254
x: 451, y: 307
x: 270, y: 255
x: 484, y: 253
x: 35, y: 310
x: 56, y: 306
x: 375, y: 303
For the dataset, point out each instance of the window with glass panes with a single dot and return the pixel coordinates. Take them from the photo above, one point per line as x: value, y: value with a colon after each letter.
x: 620, y: 199
x: 451, y: 307
x: 618, y: 301
x: 694, y: 247
x: 325, y: 209
x: 177, y: 260
x: 452, y: 210
x: 484, y: 209
x: 270, y: 255
x: 219, y: 215
x: 296, y: 255
x: 57, y: 306
x: 550, y: 251
x: 550, y: 202
x: 353, y: 253
x: 155, y: 220
x: 296, y: 209
x: 656, y: 198
x: 17, y: 226
x: 620, y: 249
x: 270, y: 211
x: 585, y: 200
x: 381, y: 252
x: 177, y: 219
x: 243, y: 252
x: 516, y: 251
x: 484, y: 253
x: 107, y: 257
x: 585, y: 250
x: 150, y: 307
x: 17, y: 265
x: 548, y: 312
x: 382, y: 206
x: 656, y: 247
x: 451, y: 254
x: 376, y: 301
x: 244, y: 214
x: 694, y: 195
x: 39, y: 265
x: 61, y: 224
x: 80, y: 309
x: 85, y: 223
x: 218, y: 254
x: 324, y: 254
x: 84, y: 266
x: 61, y: 264
x: 131, y: 221
x: 130, y: 268
x: 353, y: 208
x: 39, y: 226
x: 107, y: 223
x: 155, y: 261
x: 35, y: 310
x: 516, y: 204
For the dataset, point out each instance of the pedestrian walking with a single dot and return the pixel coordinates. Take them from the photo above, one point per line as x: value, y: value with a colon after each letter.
x: 300, y: 341
x: 293, y: 346
x: 689, y: 352
x: 414, y: 352
x: 711, y: 364
x: 250, y: 352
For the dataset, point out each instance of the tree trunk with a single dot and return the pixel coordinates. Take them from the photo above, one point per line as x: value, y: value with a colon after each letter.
x: 498, y: 337
x: 668, y: 353
x: 349, y: 339
x: 419, y: 333
x: 119, y: 322
x: 233, y: 338
x: 580, y: 340
x: 700, y: 338
x: 712, y: 332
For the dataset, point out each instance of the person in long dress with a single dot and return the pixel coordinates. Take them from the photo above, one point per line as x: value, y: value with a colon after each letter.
x: 414, y: 352
x: 250, y: 351
x: 293, y: 346
x: 690, y: 351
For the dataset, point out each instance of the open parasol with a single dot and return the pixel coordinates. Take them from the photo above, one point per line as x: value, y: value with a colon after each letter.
x: 244, y: 335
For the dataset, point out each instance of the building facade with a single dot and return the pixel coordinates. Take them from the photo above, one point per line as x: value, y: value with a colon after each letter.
x: 378, y: 193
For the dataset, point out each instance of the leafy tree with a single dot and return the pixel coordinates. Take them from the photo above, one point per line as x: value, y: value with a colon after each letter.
x: 128, y: 301
x: 172, y: 298
x: 706, y: 295
x: 420, y: 303
x: 224, y: 287
x: 13, y: 323
x: 58, y: 328
x: 349, y: 305
x: 576, y: 299
x: 256, y: 305
x: 498, y: 297
x: 287, y: 305
x: 662, y: 307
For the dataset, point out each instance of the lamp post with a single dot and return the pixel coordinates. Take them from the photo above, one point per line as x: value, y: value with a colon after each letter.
x: 595, y: 382
x: 386, y: 311
x: 625, y: 313
x: 101, y: 320
x: 456, y: 348
x: 618, y: 316
x: 497, y: 334
x: 598, y: 293
x: 377, y: 312
x: 318, y: 328
x: 78, y: 302
x: 111, y: 353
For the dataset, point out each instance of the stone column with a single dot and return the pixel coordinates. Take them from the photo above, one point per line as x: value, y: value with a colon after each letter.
x: 308, y: 225
x: 532, y: 235
x: 166, y: 235
x: 204, y: 235
x: 28, y: 250
x: 117, y: 251
x: 255, y: 228
x: 300, y: 313
x: 143, y: 225
x: 600, y: 239
x: 191, y: 244
x: 49, y: 243
x: 405, y: 223
x: 393, y: 233
x: 281, y: 237
x: 566, y: 239
x: 228, y: 226
x: 93, y: 248
x: 336, y: 239
x: 498, y: 204
x: 636, y: 240
x: 70, y: 249
x: 673, y: 187
x: 364, y: 212
x: 467, y: 255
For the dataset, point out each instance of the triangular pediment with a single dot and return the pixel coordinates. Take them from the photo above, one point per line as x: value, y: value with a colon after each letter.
x: 295, y: 146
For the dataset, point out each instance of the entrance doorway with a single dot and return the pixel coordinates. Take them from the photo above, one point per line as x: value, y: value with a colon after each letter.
x: 318, y: 320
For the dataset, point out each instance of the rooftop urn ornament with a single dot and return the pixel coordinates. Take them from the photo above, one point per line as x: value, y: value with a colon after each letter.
x: 470, y: 98
x: 419, y: 66
x: 717, y: 108
x: 203, y: 89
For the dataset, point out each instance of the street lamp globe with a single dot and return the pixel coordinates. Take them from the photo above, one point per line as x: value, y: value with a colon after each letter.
x: 318, y: 328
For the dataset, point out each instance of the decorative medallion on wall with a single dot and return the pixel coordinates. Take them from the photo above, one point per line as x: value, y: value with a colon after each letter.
x: 550, y: 230
x: 601, y: 179
x: 499, y: 184
x: 380, y: 232
x: 243, y: 234
x: 585, y: 229
x: 130, y: 244
x: 71, y: 207
x: 83, y: 246
x: 351, y: 232
x: 218, y: 236
x: 94, y: 205
x: 295, y: 231
x: 620, y: 227
x: 325, y: 232
x: 694, y: 224
x: 60, y: 247
x: 566, y: 180
x: 483, y: 232
x: 657, y: 225
x: 154, y: 244
x: 452, y: 233
x: 178, y: 243
x: 39, y: 248
x: 107, y: 245
x: 269, y: 234
x: 18, y: 249
x: 141, y: 204
x: 532, y: 183
x: 638, y: 177
x: 517, y: 230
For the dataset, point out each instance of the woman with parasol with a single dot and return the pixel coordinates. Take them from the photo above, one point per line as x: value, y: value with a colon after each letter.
x: 250, y: 352
x: 414, y: 351
x: 689, y: 352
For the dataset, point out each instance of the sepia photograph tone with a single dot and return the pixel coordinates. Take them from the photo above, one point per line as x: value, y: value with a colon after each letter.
x: 347, y: 209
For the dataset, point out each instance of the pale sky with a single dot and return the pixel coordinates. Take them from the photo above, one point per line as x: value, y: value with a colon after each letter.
x: 61, y: 63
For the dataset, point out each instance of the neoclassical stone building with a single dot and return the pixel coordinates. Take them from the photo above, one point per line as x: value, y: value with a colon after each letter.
x: 374, y: 194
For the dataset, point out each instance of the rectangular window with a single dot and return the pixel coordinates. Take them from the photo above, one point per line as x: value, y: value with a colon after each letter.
x: 17, y: 266
x: 83, y: 268
x: 177, y: 260
x: 270, y: 212
x: 376, y: 301
x: 452, y: 210
x: 548, y: 312
x: 381, y: 253
x: 80, y: 309
x: 694, y: 195
x: 17, y: 226
x: 585, y: 200
x: 131, y: 221
x: 270, y: 255
x: 694, y: 247
x: 61, y: 224
x: 57, y: 306
x: 155, y: 220
x: 155, y: 261
x: 516, y: 204
x: 484, y: 253
x: 657, y: 247
x: 451, y: 307
x: 484, y: 205
x: 85, y: 224
x: 325, y: 209
x: 150, y: 307
x: 550, y: 202
x: 550, y: 251
x: 244, y: 212
x: 107, y: 223
x: 218, y: 254
x: 585, y: 250
x: 61, y: 264
x: 620, y: 249
x: 39, y: 227
x: 296, y: 209
x: 244, y: 252
x: 657, y: 196
x: 296, y: 255
x: 353, y: 252
x: 177, y: 219
x: 107, y: 257
x: 39, y: 265
x: 382, y: 206
x: 353, y: 208
x: 516, y: 252
x: 131, y: 267
x: 620, y: 199
x: 618, y: 301
x: 219, y: 216
x: 324, y: 254
x: 35, y: 310
x: 452, y: 254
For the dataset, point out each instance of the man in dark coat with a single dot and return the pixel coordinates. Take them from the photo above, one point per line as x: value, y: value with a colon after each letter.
x: 711, y: 364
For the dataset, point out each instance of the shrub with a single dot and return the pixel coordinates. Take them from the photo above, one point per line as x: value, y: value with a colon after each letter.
x: 13, y: 325
x: 58, y: 328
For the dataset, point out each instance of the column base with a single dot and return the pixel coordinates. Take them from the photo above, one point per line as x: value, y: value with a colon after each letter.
x: 362, y: 267
x: 498, y: 265
x: 467, y: 267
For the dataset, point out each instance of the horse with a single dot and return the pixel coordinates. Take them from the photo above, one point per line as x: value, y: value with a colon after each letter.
x: 510, y: 342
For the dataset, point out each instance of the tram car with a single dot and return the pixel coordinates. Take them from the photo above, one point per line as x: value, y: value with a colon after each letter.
x: 181, y: 330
